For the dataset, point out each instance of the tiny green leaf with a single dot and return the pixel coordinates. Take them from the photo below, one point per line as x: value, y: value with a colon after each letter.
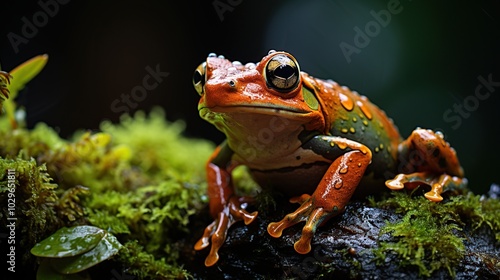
x: 25, y: 72
x: 108, y: 246
x: 67, y: 242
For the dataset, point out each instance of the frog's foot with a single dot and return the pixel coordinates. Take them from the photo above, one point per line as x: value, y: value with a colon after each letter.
x: 329, y: 198
x: 308, y: 212
x: 438, y: 183
x: 232, y: 212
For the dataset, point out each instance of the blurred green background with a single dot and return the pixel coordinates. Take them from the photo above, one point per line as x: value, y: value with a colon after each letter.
x: 422, y: 64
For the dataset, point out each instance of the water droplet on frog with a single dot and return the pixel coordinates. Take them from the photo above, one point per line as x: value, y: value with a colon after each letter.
x: 271, y: 51
x: 221, y: 56
x: 439, y: 134
x: 364, y: 109
x: 63, y: 239
x: 212, y: 55
x: 342, y: 146
x: 343, y: 170
x: 346, y: 102
x: 250, y: 65
x: 48, y: 247
x: 337, y: 184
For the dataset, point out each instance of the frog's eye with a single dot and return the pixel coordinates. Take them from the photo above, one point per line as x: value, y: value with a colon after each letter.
x: 199, y: 77
x: 282, y: 73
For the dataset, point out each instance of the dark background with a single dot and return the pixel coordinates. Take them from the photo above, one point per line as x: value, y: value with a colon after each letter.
x: 427, y: 58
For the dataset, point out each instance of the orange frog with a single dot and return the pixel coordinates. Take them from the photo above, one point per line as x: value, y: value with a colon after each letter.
x: 309, y: 138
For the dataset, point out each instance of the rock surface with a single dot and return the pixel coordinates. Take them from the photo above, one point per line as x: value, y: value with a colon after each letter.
x: 341, y: 249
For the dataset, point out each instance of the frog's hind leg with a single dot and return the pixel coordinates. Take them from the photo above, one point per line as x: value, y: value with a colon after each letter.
x: 432, y: 161
x: 438, y: 183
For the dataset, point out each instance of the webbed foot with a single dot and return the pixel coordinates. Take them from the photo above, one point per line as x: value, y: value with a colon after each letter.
x: 438, y: 183
x: 308, y: 212
x: 217, y: 231
x: 431, y: 161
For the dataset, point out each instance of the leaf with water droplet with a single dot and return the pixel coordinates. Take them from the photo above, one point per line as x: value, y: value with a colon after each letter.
x: 108, y: 246
x: 67, y: 242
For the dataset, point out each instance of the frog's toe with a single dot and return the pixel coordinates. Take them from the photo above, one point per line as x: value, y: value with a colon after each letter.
x: 275, y: 229
x: 442, y: 182
x: 303, y: 245
x: 435, y: 193
x: 308, y: 212
x: 398, y: 183
x: 216, y: 232
x: 438, y: 183
x: 203, y: 242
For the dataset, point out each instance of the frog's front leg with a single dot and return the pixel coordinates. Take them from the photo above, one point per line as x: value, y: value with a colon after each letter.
x: 225, y: 207
x: 332, y: 193
x: 427, y: 159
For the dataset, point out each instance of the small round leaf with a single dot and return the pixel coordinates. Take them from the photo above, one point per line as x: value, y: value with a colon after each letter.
x: 68, y: 242
x: 108, y: 246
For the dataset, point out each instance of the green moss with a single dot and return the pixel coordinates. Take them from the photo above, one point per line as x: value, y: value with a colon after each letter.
x: 159, y: 148
x: 145, y: 266
x: 139, y: 179
x: 429, y: 233
x: 29, y: 194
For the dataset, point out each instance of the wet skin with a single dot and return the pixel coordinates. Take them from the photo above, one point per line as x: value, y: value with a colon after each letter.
x: 310, y: 138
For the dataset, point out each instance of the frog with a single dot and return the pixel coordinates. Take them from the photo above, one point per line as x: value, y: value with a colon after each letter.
x: 309, y: 138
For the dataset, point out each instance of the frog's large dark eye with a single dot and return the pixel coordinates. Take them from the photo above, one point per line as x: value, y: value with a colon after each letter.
x: 199, y: 78
x: 282, y: 73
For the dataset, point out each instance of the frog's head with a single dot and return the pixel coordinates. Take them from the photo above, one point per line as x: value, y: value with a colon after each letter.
x: 232, y: 93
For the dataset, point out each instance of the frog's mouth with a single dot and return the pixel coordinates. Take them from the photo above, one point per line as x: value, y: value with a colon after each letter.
x: 256, y: 109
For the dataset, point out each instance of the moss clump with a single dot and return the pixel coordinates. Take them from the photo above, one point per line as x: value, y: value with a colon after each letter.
x: 139, y: 179
x: 140, y: 263
x: 28, y: 197
x: 159, y: 148
x: 429, y: 233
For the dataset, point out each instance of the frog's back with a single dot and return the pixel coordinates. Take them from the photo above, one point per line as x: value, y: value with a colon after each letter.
x: 354, y: 117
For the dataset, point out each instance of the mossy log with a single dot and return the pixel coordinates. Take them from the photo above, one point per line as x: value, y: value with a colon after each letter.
x: 347, y: 247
